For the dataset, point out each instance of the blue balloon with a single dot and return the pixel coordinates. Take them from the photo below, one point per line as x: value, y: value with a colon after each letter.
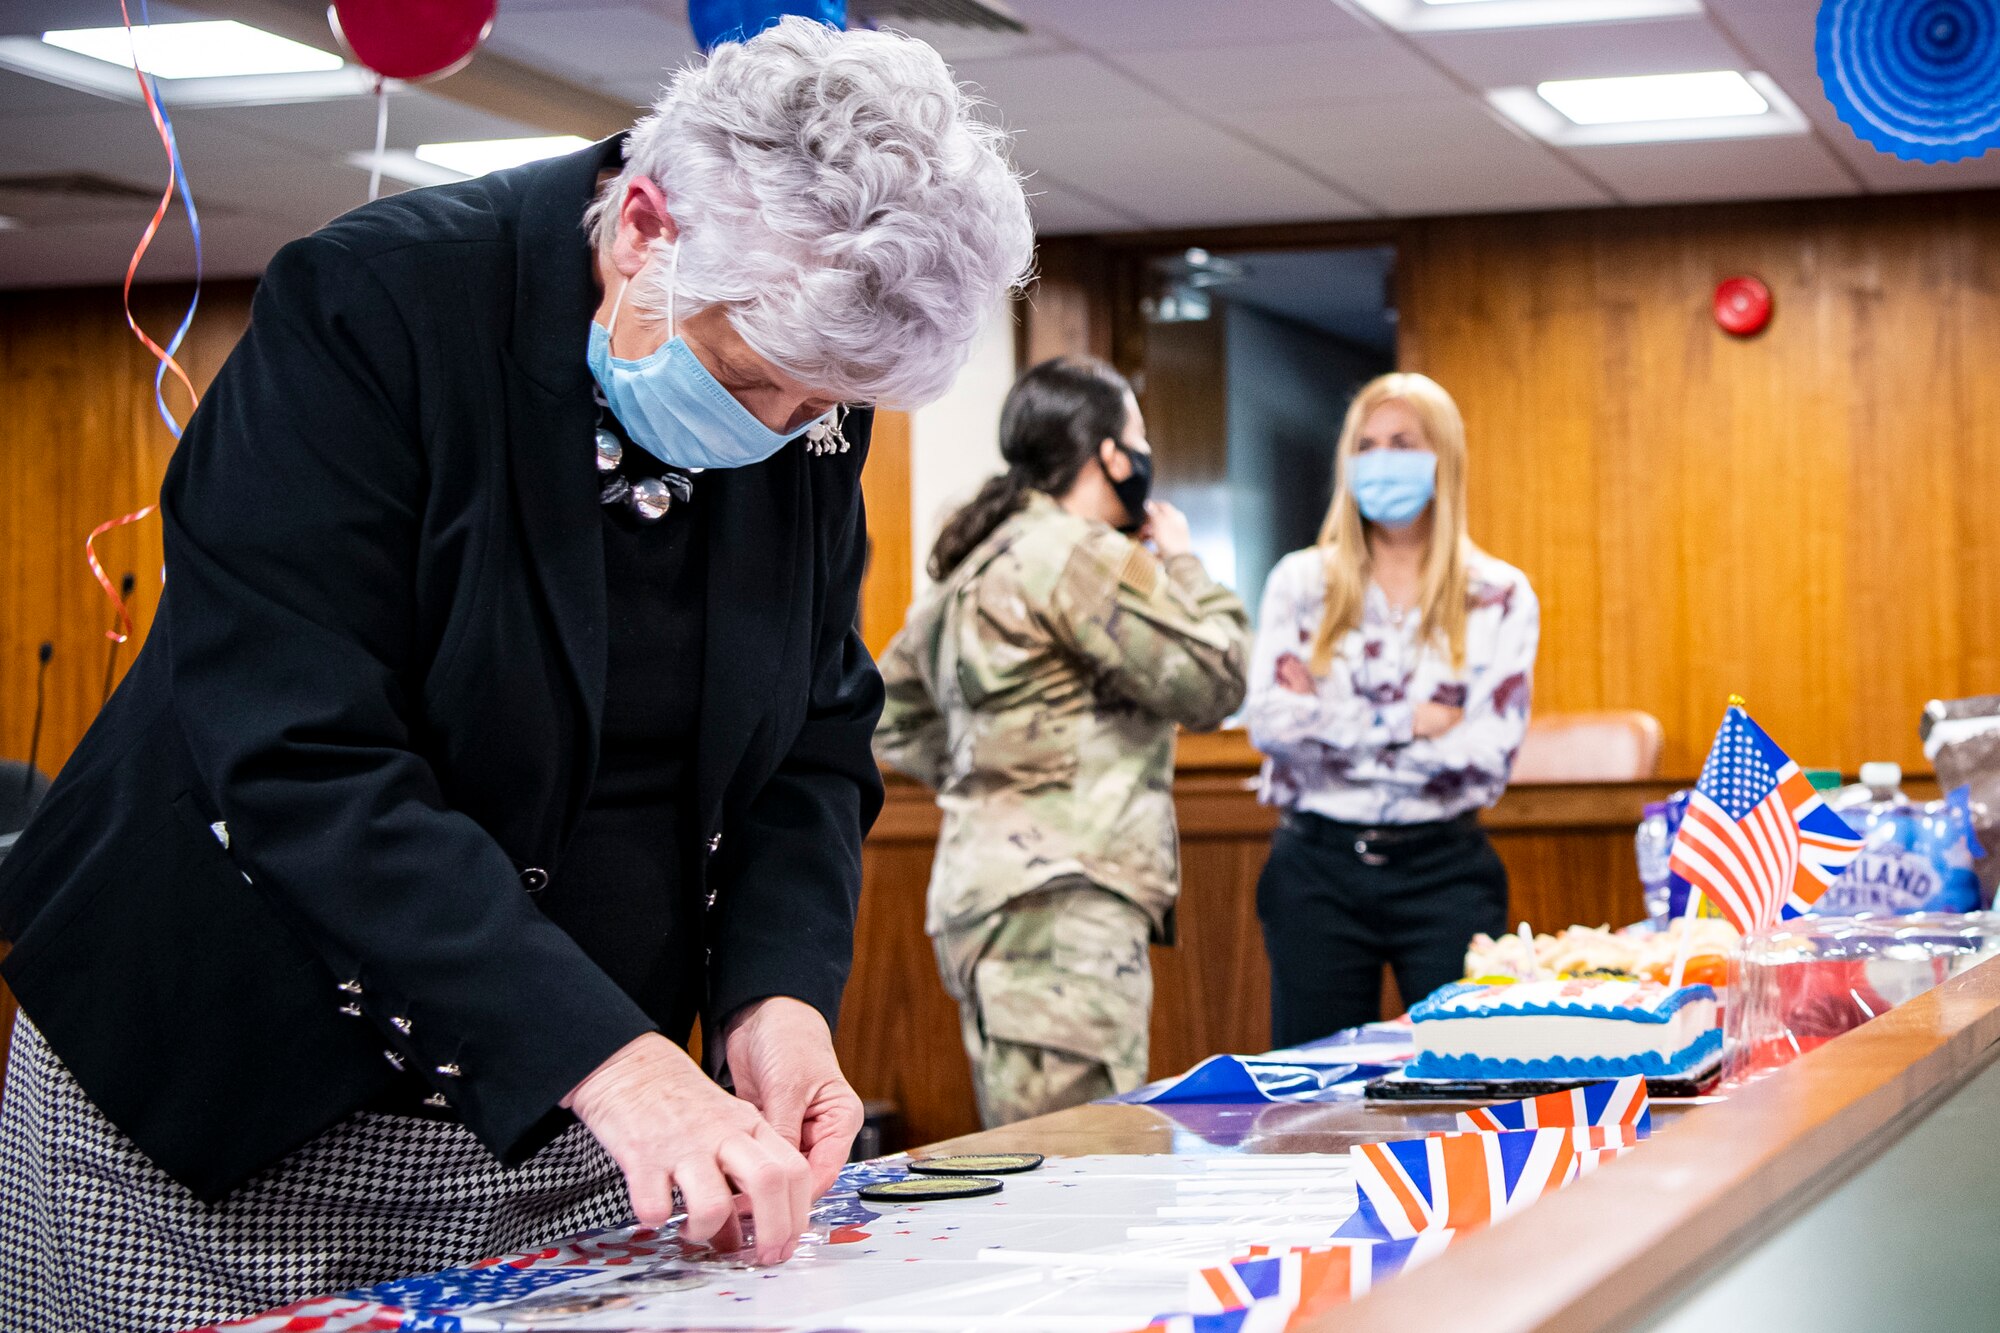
x: 718, y: 21
x: 1917, y: 78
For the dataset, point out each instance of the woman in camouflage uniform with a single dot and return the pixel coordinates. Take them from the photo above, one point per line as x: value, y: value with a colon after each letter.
x: 1037, y: 687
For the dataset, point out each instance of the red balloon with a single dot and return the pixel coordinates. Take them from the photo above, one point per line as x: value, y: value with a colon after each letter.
x: 412, y: 39
x: 1742, y: 306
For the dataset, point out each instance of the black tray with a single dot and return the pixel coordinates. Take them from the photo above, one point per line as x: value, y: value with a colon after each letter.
x: 1400, y: 1087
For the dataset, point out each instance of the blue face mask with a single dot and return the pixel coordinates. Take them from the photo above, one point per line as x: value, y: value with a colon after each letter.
x: 1393, y: 487
x: 673, y: 408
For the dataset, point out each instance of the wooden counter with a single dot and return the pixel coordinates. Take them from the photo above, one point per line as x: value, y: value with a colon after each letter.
x: 1648, y: 1231
x: 1568, y: 850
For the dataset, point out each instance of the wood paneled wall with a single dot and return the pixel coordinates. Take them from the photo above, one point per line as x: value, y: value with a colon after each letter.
x: 81, y: 442
x: 1809, y: 517
x: 1184, y: 395
x: 885, y: 489
x: 1069, y: 305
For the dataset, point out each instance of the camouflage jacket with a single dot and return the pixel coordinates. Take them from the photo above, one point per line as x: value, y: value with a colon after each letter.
x: 1038, y: 689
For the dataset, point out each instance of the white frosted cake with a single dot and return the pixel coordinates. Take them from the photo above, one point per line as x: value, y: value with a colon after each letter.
x: 1586, y: 1028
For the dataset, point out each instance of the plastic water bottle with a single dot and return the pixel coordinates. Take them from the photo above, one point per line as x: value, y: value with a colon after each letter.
x: 1653, y: 844
x: 1880, y: 781
x: 1900, y: 868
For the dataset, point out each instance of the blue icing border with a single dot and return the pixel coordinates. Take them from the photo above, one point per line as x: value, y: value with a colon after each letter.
x: 1430, y: 1064
x: 1432, y: 1006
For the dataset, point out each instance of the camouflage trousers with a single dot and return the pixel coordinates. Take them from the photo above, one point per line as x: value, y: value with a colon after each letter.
x: 1054, y: 993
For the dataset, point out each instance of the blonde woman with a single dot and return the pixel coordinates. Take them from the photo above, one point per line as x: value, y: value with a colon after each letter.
x: 1389, y: 692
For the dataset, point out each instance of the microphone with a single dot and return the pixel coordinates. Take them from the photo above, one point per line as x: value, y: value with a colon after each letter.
x: 47, y: 651
x: 125, y: 587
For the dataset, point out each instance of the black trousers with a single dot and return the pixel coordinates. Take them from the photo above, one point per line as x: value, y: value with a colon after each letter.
x: 1339, y: 900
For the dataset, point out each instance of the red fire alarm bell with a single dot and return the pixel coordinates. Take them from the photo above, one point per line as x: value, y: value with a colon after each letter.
x: 1742, y: 306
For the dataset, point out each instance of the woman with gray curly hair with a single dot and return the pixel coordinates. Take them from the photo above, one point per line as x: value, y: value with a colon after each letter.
x: 503, y: 717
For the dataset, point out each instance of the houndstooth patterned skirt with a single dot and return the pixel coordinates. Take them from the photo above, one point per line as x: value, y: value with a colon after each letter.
x: 95, y: 1238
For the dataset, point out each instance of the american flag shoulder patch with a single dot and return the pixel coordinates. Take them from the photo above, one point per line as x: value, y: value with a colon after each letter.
x: 1141, y: 572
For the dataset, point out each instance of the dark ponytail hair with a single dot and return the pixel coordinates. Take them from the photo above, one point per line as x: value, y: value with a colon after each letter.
x: 1055, y: 417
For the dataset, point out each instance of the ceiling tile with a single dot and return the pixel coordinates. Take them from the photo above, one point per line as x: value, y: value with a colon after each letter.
x: 596, y: 46
x: 95, y: 254
x: 23, y: 18
x: 1179, y: 171
x: 1152, y: 25
x: 230, y: 171
x: 1515, y: 57
x: 1795, y: 166
x: 338, y: 128
x: 956, y: 44
x: 25, y: 95
x: 1072, y: 88
x: 1422, y: 157
x: 1295, y: 74
x: 1062, y: 210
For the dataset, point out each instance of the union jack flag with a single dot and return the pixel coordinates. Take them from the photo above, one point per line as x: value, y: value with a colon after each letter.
x: 1459, y: 1182
x: 1622, y: 1104
x: 1308, y: 1279
x: 1756, y: 839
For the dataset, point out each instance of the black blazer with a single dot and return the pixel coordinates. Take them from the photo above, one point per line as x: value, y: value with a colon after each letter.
x: 295, y: 852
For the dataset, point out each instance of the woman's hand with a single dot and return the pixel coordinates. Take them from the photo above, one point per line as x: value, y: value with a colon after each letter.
x: 1294, y: 675
x: 668, y: 1126
x: 1167, y: 529
x: 781, y: 1056
x: 1428, y: 720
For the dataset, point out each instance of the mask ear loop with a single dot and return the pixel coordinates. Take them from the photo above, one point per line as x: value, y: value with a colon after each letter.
x: 673, y: 284
x: 673, y: 290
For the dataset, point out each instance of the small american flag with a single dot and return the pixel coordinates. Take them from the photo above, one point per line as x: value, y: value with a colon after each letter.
x: 1620, y: 1104
x: 1757, y: 840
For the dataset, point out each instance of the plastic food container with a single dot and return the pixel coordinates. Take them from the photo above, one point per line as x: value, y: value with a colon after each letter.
x: 1803, y: 983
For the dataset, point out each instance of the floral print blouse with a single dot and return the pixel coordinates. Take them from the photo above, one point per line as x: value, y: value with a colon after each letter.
x: 1346, y: 752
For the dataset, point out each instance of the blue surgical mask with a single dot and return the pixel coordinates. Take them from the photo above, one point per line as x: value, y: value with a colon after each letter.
x: 1393, y: 487
x: 672, y: 407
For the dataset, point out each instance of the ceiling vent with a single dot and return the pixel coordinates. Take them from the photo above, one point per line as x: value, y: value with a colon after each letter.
x: 987, y: 15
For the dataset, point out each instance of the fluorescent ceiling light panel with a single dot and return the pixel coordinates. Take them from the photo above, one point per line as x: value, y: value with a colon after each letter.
x: 1653, y: 108
x: 106, y: 78
x: 1622, y: 101
x: 219, y: 49
x: 476, y: 157
x: 1462, y: 15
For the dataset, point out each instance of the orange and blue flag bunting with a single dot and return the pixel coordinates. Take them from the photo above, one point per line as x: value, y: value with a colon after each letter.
x: 1308, y: 1278
x: 1621, y: 1103
x: 1460, y: 1182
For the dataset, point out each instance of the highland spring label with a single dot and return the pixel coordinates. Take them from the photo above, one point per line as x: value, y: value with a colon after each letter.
x: 1887, y: 880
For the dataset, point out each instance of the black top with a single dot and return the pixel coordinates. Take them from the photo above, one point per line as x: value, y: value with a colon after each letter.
x: 380, y: 663
x: 624, y: 891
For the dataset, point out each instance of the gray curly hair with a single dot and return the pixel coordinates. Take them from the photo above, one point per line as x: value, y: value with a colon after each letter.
x: 835, y: 191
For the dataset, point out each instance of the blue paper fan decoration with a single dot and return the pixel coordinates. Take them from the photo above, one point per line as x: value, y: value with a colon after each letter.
x: 1917, y: 78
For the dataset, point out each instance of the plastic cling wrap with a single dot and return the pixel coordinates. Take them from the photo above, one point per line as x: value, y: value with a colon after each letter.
x: 1803, y: 983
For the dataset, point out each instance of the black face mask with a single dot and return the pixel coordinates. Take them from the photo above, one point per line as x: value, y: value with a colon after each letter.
x: 1133, y: 491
